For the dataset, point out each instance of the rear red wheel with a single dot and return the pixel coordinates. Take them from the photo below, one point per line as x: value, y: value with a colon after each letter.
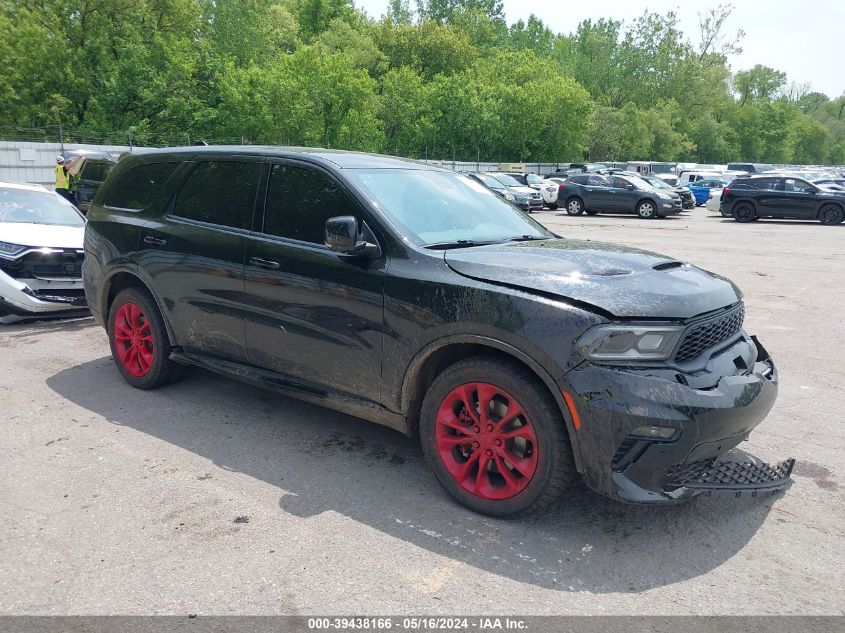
x: 486, y: 441
x: 133, y: 339
x: 139, y: 342
x: 495, y: 438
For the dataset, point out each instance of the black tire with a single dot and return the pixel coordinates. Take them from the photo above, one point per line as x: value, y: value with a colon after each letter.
x: 554, y: 464
x: 647, y: 210
x: 574, y: 206
x: 591, y: 212
x: 831, y: 214
x: 160, y: 369
x: 744, y: 212
x: 553, y: 206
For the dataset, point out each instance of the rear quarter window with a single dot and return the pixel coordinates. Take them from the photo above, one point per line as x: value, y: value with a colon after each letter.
x: 136, y: 187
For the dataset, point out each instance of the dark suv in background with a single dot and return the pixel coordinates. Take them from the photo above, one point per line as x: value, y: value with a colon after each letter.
x: 416, y: 298
x: 777, y: 196
x: 591, y: 193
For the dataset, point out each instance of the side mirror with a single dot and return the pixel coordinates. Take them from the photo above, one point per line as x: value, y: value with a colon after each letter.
x: 342, y: 236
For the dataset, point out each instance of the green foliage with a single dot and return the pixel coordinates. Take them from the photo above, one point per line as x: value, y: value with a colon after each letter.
x: 437, y: 78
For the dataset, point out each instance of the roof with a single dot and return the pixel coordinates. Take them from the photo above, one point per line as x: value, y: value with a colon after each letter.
x: 23, y: 185
x: 337, y: 158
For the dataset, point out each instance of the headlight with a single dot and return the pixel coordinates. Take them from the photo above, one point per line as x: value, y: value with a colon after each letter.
x: 10, y: 250
x: 630, y: 342
x: 509, y: 197
x: 665, y: 196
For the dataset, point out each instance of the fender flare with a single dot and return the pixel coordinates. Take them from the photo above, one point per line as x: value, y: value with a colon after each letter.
x: 133, y: 272
x: 417, y: 362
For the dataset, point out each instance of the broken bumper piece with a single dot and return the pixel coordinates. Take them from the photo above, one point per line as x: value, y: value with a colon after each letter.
x: 727, y: 476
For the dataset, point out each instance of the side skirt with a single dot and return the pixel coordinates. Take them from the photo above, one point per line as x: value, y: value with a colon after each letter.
x: 293, y: 388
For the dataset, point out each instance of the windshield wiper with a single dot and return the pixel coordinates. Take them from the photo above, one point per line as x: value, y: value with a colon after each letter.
x: 458, y: 244
x: 526, y: 238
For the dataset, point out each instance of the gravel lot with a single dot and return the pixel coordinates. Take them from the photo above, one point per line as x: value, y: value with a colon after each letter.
x: 213, y: 497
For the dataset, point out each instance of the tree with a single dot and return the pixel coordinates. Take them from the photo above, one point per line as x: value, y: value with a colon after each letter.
x: 444, y: 10
x: 810, y: 141
x: 761, y: 83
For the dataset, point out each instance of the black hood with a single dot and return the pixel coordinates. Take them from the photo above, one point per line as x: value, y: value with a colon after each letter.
x: 625, y: 282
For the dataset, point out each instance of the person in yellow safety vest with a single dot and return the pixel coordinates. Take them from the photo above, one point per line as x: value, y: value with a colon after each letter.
x: 62, y: 179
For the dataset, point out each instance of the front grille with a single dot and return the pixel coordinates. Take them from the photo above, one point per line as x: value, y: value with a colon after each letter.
x: 64, y: 264
x: 703, y: 336
x: 74, y: 297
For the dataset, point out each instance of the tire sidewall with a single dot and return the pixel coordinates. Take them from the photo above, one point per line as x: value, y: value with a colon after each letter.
x: 158, y: 372
x: 744, y: 218
x: 653, y: 210
x: 543, y: 428
x: 837, y: 218
x: 577, y: 201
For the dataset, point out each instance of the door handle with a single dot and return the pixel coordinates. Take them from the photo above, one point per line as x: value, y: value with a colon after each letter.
x: 156, y: 241
x: 264, y: 263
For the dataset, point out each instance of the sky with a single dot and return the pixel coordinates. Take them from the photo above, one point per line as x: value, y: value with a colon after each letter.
x: 804, y: 40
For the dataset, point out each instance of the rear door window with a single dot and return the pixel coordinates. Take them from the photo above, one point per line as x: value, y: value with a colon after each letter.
x: 219, y: 192
x: 300, y: 200
x: 767, y: 184
x: 137, y: 186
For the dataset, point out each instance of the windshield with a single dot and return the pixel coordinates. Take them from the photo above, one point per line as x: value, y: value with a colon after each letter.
x: 490, y: 181
x: 25, y: 206
x: 657, y: 183
x: 436, y: 207
x: 533, y: 179
x: 638, y: 182
x: 509, y: 181
x: 96, y: 170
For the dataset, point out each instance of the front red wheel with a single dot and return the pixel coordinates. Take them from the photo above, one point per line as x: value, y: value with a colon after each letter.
x: 133, y: 339
x: 486, y: 441
x: 139, y: 342
x: 495, y: 438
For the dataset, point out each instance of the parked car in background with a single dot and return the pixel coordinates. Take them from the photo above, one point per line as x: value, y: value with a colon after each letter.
x: 701, y: 188
x: 547, y: 188
x: 514, y: 196
x: 830, y: 182
x: 592, y: 193
x: 40, y: 254
x: 535, y: 198
x: 750, y: 198
x: 687, y: 199
x: 714, y: 202
x: 413, y: 297
x: 92, y: 175
x: 687, y: 177
x: 748, y: 168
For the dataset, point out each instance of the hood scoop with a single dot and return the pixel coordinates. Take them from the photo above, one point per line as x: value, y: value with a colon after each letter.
x: 667, y: 265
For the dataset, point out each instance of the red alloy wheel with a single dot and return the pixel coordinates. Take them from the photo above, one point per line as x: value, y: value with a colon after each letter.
x: 133, y: 339
x: 486, y: 441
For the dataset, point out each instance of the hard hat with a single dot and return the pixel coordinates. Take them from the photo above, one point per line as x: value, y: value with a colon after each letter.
x: 60, y: 159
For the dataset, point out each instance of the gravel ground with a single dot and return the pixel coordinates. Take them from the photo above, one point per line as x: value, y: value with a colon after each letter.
x: 213, y: 497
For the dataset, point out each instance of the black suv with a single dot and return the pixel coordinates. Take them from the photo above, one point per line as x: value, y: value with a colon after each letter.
x: 777, y: 196
x: 416, y: 298
x: 591, y: 193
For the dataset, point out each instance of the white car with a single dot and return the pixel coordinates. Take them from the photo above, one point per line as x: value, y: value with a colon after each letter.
x: 40, y: 254
x: 547, y: 188
x: 714, y: 201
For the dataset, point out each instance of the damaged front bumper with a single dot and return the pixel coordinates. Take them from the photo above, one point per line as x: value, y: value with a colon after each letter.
x: 656, y: 436
x: 31, y: 297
